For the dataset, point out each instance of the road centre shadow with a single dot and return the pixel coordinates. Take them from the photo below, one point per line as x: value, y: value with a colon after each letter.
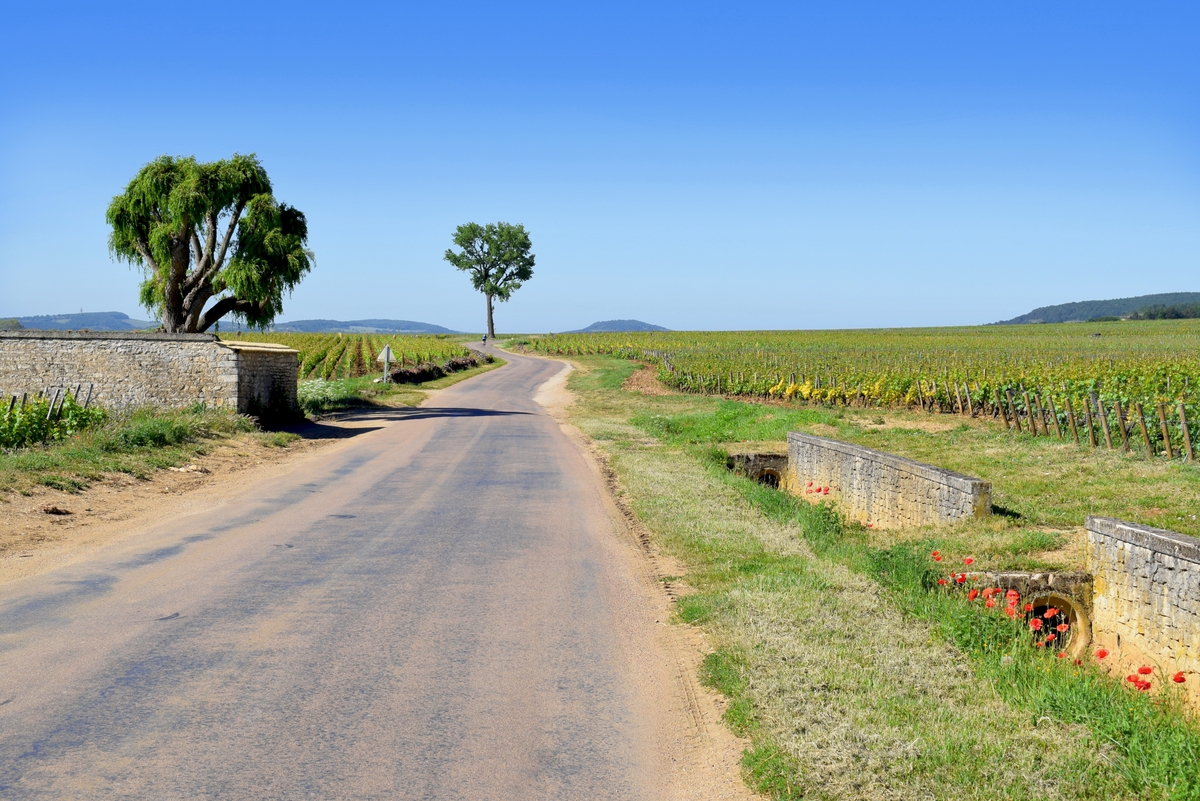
x: 340, y: 425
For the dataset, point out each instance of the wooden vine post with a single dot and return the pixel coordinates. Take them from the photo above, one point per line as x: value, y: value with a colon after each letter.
x: 1121, y: 423
x: 1071, y: 420
x: 1187, y: 436
x: 1029, y: 417
x: 1000, y: 406
x: 1166, y: 432
x: 1145, y: 434
x: 1012, y: 407
x: 1103, y: 421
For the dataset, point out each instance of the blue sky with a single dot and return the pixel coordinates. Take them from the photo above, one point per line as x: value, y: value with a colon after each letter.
x: 695, y: 165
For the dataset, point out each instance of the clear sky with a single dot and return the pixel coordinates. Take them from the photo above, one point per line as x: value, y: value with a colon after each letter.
x: 694, y: 165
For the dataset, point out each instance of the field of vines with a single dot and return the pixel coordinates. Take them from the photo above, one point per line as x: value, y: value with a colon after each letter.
x: 336, y: 356
x: 1095, y: 381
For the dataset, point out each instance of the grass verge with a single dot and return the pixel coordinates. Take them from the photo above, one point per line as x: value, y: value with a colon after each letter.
x: 137, y: 443
x: 849, y: 676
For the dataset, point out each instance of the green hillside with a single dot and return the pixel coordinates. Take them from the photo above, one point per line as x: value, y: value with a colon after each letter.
x: 1089, y: 309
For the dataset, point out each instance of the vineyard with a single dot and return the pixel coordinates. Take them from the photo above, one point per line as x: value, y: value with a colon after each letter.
x: 336, y: 356
x: 1123, y: 384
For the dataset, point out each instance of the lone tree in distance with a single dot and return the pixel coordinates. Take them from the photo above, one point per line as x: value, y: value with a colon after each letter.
x: 209, y: 230
x: 497, y: 257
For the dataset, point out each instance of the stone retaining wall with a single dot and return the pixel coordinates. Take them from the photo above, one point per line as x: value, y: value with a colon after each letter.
x: 883, y: 490
x: 131, y: 369
x: 1145, y: 594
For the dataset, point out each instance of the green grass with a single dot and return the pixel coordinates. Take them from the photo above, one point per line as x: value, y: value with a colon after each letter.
x: 849, y: 675
x: 137, y: 443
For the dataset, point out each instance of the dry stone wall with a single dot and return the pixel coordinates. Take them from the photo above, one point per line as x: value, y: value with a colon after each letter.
x: 881, y: 489
x: 1145, y: 593
x: 127, y: 370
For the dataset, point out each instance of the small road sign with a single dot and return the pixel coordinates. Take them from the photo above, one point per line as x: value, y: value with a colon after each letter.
x: 386, y: 357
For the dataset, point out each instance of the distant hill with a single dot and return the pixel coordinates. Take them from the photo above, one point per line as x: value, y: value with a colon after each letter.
x: 361, y: 327
x: 1087, y: 309
x: 93, y: 321
x: 614, y: 326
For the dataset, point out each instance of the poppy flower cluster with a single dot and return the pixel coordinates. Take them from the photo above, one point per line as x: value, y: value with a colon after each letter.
x: 810, y: 490
x: 1137, y: 681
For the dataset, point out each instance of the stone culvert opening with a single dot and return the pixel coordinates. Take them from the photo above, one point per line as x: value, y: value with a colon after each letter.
x: 769, y: 478
x: 1055, y: 610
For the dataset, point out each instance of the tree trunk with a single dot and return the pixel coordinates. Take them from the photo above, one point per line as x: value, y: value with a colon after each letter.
x: 491, y: 332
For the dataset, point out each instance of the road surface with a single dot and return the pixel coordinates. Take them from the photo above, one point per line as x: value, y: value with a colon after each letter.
x: 430, y: 610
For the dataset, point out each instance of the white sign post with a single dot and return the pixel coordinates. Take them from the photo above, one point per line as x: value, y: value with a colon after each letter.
x: 385, y: 356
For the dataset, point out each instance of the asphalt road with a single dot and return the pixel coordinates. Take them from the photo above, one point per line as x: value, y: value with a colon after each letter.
x: 424, y: 611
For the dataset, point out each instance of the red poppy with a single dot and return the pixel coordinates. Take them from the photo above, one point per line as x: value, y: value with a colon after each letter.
x: 1049, y: 638
x: 970, y: 560
x: 1061, y: 654
x: 972, y: 595
x: 1103, y: 652
x: 1078, y: 662
x: 1038, y: 644
x: 1143, y: 685
x: 1028, y: 607
x: 990, y: 603
x: 1049, y: 613
x: 1179, y: 678
x: 809, y: 484
x: 1010, y: 611
x: 1145, y: 670
x: 942, y: 581
x: 987, y: 592
x: 935, y: 554
x: 1012, y: 594
x: 962, y: 578
x: 1132, y: 679
x: 1035, y: 624
x: 1062, y: 627
x: 826, y: 491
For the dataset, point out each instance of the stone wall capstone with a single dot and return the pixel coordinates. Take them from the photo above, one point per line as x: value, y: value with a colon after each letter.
x: 881, y: 489
x: 1145, y: 594
x: 127, y: 370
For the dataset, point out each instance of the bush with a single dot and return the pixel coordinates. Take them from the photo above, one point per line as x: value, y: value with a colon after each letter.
x: 33, y: 424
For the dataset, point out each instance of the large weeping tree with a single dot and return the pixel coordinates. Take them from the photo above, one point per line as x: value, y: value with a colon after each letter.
x: 497, y: 257
x: 211, y: 240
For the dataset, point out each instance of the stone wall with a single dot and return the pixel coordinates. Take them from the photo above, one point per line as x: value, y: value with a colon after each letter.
x: 1145, y: 594
x: 883, y: 490
x: 127, y: 370
x: 267, y: 379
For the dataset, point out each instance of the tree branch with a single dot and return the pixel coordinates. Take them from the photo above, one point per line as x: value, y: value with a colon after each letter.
x: 222, y: 307
x: 203, y: 255
x: 144, y: 249
x: 219, y: 261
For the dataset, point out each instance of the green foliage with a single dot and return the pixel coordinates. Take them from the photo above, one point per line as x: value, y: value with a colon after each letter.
x: 1182, y: 311
x: 136, y: 443
x: 497, y: 258
x: 1148, y: 362
x: 33, y: 424
x: 339, y: 356
x: 1150, y: 740
x: 10, y: 324
x: 201, y: 231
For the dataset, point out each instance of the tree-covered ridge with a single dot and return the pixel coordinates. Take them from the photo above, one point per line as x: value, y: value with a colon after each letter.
x: 1090, y: 309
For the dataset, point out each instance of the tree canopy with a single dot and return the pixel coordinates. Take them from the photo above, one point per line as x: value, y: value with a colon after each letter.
x: 205, y: 232
x: 497, y: 257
